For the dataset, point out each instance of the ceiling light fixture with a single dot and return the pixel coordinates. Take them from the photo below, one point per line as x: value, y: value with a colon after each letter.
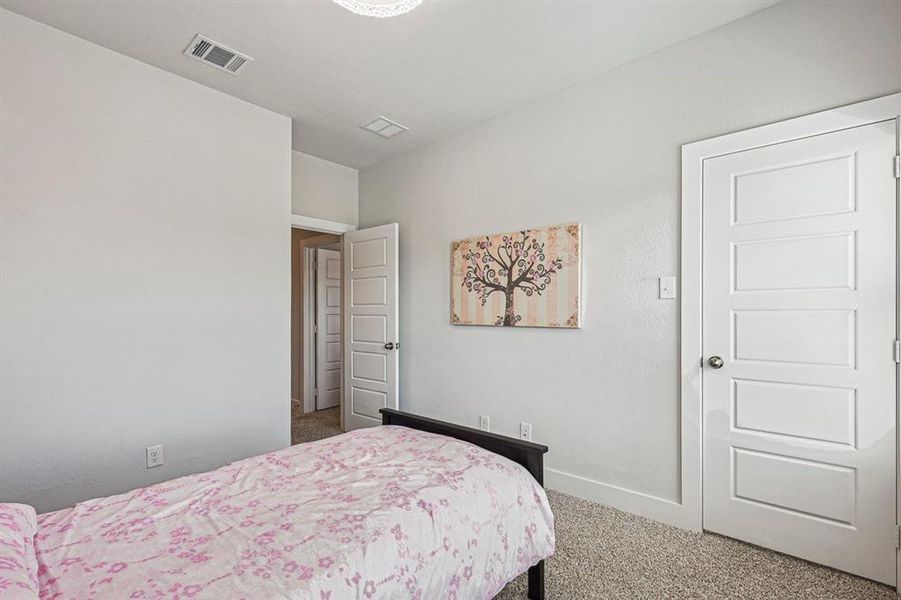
x: 379, y: 8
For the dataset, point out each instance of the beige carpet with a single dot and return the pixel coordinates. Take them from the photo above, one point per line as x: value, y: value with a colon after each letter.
x: 314, y: 426
x: 605, y: 553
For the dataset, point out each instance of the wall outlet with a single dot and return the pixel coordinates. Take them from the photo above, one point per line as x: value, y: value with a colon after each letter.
x: 667, y: 288
x: 154, y: 456
x: 525, y: 431
x: 484, y: 423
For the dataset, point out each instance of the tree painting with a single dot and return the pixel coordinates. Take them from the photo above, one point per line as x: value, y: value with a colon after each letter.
x: 518, y: 263
x: 517, y: 268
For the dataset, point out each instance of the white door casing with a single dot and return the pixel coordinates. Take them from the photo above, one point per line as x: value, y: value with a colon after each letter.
x: 371, y: 324
x: 328, y: 328
x: 799, y: 300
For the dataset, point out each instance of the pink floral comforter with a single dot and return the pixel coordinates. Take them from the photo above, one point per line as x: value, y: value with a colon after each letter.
x: 18, y: 562
x: 387, y: 512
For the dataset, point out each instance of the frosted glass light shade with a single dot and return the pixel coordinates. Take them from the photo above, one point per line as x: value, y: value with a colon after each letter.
x: 379, y: 8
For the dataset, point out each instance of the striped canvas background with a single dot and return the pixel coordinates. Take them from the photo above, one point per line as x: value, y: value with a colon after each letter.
x: 556, y: 306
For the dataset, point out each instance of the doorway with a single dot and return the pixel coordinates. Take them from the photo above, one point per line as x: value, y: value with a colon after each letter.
x: 790, y: 325
x: 316, y: 335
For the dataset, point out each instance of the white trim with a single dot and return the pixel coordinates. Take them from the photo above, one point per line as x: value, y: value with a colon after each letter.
x: 646, y: 505
x: 693, y: 156
x: 898, y: 336
x: 309, y: 340
x: 323, y: 225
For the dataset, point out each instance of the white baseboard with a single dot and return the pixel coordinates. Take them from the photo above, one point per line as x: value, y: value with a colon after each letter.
x: 639, y: 503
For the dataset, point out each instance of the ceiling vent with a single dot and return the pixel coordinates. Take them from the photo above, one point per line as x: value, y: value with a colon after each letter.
x: 216, y: 55
x: 384, y: 127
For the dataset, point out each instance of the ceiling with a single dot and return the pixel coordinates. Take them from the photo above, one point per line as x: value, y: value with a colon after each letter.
x: 446, y: 65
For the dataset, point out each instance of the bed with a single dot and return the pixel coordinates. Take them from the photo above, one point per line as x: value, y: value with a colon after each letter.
x: 417, y: 508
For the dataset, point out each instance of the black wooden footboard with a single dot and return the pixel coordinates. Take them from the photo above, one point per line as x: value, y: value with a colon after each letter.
x: 528, y: 454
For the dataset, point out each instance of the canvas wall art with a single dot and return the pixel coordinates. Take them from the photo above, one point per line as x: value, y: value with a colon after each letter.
x: 528, y: 278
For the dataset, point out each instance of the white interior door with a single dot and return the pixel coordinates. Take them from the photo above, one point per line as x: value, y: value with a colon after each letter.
x: 799, y: 301
x: 328, y: 328
x: 371, y: 345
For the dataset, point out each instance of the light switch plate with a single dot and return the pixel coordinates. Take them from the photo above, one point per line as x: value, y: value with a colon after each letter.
x: 667, y: 288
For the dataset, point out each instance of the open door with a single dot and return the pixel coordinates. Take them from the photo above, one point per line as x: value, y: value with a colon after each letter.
x: 328, y: 328
x: 370, y: 323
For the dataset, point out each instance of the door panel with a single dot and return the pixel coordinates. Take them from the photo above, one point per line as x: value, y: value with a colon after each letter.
x: 829, y: 261
x: 368, y: 291
x: 803, y: 411
x: 821, y: 186
x: 367, y: 403
x: 369, y: 328
x: 328, y: 326
x: 799, y: 300
x: 371, y: 320
x: 370, y: 365
x: 792, y: 484
x: 816, y: 337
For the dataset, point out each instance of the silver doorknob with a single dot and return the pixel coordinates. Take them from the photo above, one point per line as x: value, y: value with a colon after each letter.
x: 389, y: 346
x: 716, y: 362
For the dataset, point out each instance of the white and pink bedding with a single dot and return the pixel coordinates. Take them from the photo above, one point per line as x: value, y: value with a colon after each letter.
x: 18, y: 561
x: 387, y: 512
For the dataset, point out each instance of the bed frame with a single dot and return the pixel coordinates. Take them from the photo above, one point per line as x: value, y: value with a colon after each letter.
x: 528, y: 454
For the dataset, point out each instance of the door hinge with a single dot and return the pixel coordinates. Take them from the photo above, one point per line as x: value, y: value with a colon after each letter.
x: 898, y: 351
x: 898, y: 167
x: 897, y: 536
x: 315, y: 328
x: 315, y: 392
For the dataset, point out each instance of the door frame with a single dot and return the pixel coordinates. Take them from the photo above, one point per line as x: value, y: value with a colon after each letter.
x: 309, y: 318
x: 324, y: 227
x: 308, y: 247
x: 694, y: 154
x: 320, y: 225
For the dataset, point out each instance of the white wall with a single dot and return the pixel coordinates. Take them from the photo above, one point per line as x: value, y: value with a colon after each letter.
x: 604, y: 153
x: 144, y: 260
x: 323, y: 189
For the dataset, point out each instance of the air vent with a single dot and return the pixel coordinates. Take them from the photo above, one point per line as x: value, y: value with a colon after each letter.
x: 217, y: 55
x: 384, y: 127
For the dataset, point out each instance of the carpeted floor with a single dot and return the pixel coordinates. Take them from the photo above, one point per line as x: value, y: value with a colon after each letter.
x: 606, y: 553
x: 314, y: 426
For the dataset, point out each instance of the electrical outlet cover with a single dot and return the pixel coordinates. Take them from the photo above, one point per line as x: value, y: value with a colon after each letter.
x: 154, y: 456
x: 484, y: 423
x: 525, y: 431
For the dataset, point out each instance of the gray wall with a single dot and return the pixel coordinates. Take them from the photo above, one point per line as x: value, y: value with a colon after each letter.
x: 144, y: 260
x: 604, y: 153
x: 323, y: 189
